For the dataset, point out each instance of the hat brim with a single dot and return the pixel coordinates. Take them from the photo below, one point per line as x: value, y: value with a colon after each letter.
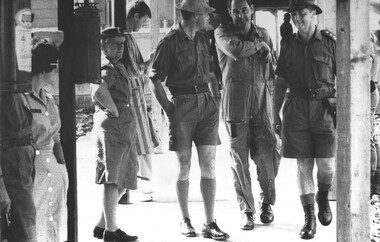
x: 204, y: 9
x: 296, y: 8
x: 105, y: 36
x: 55, y: 35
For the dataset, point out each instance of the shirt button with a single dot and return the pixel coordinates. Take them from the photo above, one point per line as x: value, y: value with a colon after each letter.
x: 37, y: 152
x: 51, y: 219
x: 50, y: 189
x: 47, y: 160
x: 50, y: 204
x: 47, y: 113
x: 49, y: 174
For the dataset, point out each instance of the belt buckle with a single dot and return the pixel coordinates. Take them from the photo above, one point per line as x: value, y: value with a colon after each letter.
x: 196, y: 88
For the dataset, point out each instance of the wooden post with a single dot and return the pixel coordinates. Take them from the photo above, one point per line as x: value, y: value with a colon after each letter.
x: 157, y: 115
x: 121, y: 13
x: 353, y: 156
x: 67, y: 112
x: 277, y: 38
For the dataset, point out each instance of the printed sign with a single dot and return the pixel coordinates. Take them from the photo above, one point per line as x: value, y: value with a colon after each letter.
x: 23, y: 39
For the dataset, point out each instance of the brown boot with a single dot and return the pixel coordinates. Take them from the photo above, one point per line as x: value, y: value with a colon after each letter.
x: 324, y: 211
x: 309, y: 229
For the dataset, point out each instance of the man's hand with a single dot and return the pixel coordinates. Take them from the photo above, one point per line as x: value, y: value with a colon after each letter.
x: 264, y: 51
x: 5, y: 201
x: 277, y: 124
x: 169, y: 108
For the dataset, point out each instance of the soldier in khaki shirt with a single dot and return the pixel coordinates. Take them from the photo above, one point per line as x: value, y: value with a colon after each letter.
x: 307, y: 66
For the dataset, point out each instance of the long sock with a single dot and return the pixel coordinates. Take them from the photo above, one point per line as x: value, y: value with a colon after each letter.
x: 307, y: 199
x: 183, y: 197
x: 208, y: 188
x: 323, y: 187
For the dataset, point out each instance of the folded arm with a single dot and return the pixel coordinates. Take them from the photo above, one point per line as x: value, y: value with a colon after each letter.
x: 233, y: 47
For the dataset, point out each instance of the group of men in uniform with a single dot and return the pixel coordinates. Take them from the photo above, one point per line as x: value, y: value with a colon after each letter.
x: 306, y: 67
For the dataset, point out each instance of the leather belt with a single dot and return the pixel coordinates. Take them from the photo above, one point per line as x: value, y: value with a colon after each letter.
x: 25, y: 140
x: 122, y: 105
x: 188, y: 90
x: 310, y: 94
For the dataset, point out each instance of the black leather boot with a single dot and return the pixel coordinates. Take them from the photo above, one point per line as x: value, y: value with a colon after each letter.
x: 309, y: 229
x: 375, y: 184
x: 324, y: 211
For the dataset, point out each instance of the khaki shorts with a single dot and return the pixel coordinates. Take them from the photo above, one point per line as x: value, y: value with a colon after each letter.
x: 308, y: 130
x: 195, y: 118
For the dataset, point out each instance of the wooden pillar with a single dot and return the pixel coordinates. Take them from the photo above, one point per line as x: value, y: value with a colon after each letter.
x: 157, y: 115
x: 353, y: 156
x: 277, y: 27
x: 120, y: 13
x: 67, y: 111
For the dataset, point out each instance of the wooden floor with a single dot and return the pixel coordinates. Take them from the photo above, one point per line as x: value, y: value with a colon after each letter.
x: 158, y: 221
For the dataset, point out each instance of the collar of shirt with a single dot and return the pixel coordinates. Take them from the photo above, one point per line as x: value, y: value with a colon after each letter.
x: 316, y: 36
x: 182, y: 34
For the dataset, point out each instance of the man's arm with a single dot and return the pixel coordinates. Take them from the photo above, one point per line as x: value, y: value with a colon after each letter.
x: 213, y: 85
x: 5, y: 201
x: 279, y: 95
x: 236, y: 48
x: 160, y: 94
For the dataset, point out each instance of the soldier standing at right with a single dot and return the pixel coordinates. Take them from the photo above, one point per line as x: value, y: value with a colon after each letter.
x: 307, y: 66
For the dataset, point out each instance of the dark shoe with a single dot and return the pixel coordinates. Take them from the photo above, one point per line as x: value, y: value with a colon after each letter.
x: 212, y: 231
x: 324, y: 211
x: 266, y: 215
x: 118, y: 236
x: 125, y: 198
x: 98, y: 232
x: 309, y: 229
x: 247, y: 223
x: 187, y: 229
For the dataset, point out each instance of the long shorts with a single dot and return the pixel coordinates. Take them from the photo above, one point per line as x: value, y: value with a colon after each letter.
x: 308, y: 130
x: 18, y: 171
x: 194, y: 118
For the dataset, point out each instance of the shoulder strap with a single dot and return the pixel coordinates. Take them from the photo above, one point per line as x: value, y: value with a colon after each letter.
x: 327, y: 33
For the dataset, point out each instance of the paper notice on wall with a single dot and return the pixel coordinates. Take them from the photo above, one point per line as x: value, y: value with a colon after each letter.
x: 23, y: 39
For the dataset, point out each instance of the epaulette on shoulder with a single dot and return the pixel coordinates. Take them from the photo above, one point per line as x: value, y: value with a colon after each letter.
x: 170, y: 34
x: 329, y: 34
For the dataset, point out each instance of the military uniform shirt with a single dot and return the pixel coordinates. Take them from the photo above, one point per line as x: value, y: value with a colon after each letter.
x: 184, y: 61
x: 308, y: 65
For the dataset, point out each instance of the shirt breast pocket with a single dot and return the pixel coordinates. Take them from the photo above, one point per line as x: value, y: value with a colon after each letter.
x: 323, y: 68
x: 185, y: 60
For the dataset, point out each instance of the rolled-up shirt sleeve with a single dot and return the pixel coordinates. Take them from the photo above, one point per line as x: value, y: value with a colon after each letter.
x: 162, y: 61
x: 231, y: 45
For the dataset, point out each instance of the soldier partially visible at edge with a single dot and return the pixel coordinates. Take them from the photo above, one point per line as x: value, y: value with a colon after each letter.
x: 307, y: 66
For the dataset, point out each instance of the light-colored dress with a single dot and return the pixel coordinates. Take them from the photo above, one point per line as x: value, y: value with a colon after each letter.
x: 136, y: 71
x: 51, y: 179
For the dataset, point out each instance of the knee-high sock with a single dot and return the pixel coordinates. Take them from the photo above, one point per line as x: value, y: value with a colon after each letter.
x: 208, y: 188
x: 307, y: 199
x: 183, y: 197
